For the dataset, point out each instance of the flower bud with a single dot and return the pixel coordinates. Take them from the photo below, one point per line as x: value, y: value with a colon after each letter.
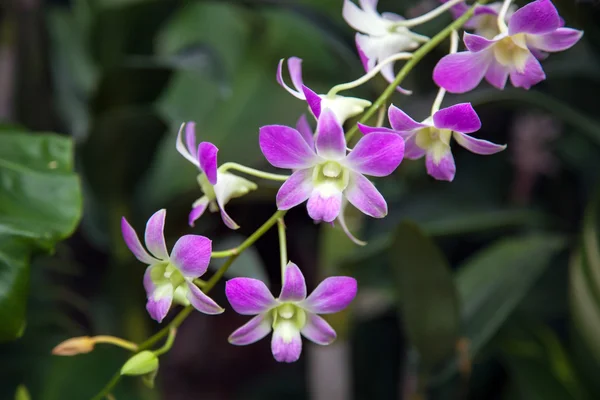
x: 140, y: 364
x: 74, y: 346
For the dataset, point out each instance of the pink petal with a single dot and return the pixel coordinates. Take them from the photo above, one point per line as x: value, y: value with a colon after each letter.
x: 477, y: 146
x: 252, y: 331
x: 190, y: 136
x: 330, y: 142
x: 197, y: 211
x: 133, y: 243
x: 154, y: 235
x: 295, y: 190
x: 365, y: 129
x: 294, y: 286
x: 361, y: 54
x: 295, y: 69
x: 249, y: 296
x: 411, y: 150
x: 332, y: 295
x: 444, y: 169
x: 303, y: 127
x: 191, y: 255
x: 317, y: 330
x: 559, y: 40
x: 227, y: 220
x: 207, y: 155
x: 201, y: 301
x: 284, y: 147
x: 537, y: 17
x: 475, y: 43
x: 497, y: 74
x: 532, y: 74
x: 461, y: 72
x: 362, y: 194
x: 286, y: 343
x: 324, y: 204
x: 313, y: 100
x: 377, y: 154
x: 459, y: 117
x: 158, y: 305
x: 400, y: 121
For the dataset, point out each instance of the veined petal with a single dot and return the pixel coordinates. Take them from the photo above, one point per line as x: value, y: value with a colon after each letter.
x: 459, y: 117
x: 198, y: 209
x: 295, y: 69
x: 477, y: 146
x: 366, y: 22
x: 313, y: 100
x: 154, y: 235
x: 330, y: 142
x: 324, y: 203
x: 159, y: 301
x: 303, y: 127
x: 133, y: 243
x: 463, y: 71
x: 249, y: 296
x: 295, y: 190
x: 294, y: 285
x: 531, y: 75
x: 191, y: 255
x: 475, y: 43
x: 332, y: 295
x: 284, y: 147
x: 412, y: 151
x: 286, y: 343
x: 342, y: 220
x: 497, y: 74
x: 440, y: 163
x: 252, y: 331
x: 317, y: 330
x: 537, y: 17
x: 190, y: 137
x: 559, y: 40
x: 364, y: 196
x: 377, y: 154
x: 401, y: 122
x: 366, y: 129
x: 207, y: 155
x: 189, y: 152
x: 201, y: 301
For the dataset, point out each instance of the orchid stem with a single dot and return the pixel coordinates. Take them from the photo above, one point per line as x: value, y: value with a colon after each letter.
x: 168, y: 344
x: 224, y: 253
x: 253, y: 172
x: 282, y: 246
x: 407, y: 23
x: 116, y: 341
x: 502, y: 16
x: 410, y: 64
x: 381, y: 116
x: 437, y: 103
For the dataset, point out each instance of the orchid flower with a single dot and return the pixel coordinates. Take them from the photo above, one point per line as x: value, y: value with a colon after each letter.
x: 484, y: 21
x: 291, y: 314
x: 218, y: 186
x: 432, y: 137
x: 532, y: 30
x: 169, y: 277
x: 324, y: 174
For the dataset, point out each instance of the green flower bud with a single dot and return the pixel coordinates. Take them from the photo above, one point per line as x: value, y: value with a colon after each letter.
x: 140, y: 364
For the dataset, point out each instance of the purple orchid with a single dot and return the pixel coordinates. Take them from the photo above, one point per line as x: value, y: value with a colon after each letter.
x: 342, y: 106
x: 169, y: 277
x: 484, y: 21
x: 532, y: 31
x: 291, y: 314
x: 218, y: 187
x: 432, y: 137
x: 324, y: 173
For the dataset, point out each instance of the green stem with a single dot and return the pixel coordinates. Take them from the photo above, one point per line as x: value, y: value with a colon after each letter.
x: 253, y: 172
x: 407, y: 23
x: 410, y: 64
x: 282, y: 246
x: 168, y: 343
x: 224, y: 253
x: 116, y: 341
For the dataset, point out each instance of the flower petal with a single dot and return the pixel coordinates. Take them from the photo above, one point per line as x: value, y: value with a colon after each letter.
x: 537, y: 17
x: 324, y: 203
x: 295, y: 190
x: 477, y: 146
x: 459, y: 117
x: 191, y: 255
x: 313, y: 100
x: 412, y: 151
x: 155, y: 237
x: 475, y: 43
x: 295, y: 69
x: 286, y: 343
x: 559, y: 40
x: 294, y: 285
x: 207, y: 155
x: 284, y: 147
x: 332, y: 295
x: 198, y: 209
x: 366, y: 22
x: 189, y: 151
x: 252, y: 331
x: 303, y: 127
x: 401, y: 122
x: 531, y: 75
x: 201, y: 301
x: 364, y: 59
x: 377, y: 154
x: 330, y: 142
x: 342, y: 220
x: 317, y: 330
x: 133, y: 243
x: 497, y: 74
x: 364, y: 196
x: 366, y: 129
x: 440, y: 163
x: 249, y: 296
x: 159, y: 302
x: 463, y: 71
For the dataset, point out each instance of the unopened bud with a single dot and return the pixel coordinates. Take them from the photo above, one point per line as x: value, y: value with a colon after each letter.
x: 74, y: 346
x: 140, y: 364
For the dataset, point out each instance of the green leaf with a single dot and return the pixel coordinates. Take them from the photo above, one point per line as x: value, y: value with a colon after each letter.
x: 428, y: 298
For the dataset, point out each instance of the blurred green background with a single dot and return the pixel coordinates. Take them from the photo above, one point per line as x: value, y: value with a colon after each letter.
x: 485, y: 288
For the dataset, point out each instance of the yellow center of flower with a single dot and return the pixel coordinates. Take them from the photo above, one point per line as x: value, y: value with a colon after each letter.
x: 434, y: 140
x: 331, y: 173
x: 206, y: 187
x: 289, y: 314
x: 512, y: 51
x: 488, y: 26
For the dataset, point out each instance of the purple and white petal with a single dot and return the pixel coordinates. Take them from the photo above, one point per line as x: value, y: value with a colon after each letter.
x: 303, y: 127
x: 366, y: 22
x: 207, y: 156
x: 497, y: 74
x: 463, y: 71
x: 377, y: 154
x: 249, y: 296
x: 559, y: 40
x: 286, y: 343
x: 412, y: 150
x: 197, y: 210
x: 201, y: 301
x: 252, y: 331
x: 531, y: 75
x: 330, y: 142
x: 362, y: 194
x: 332, y: 295
x: 401, y: 122
x: 342, y: 220
x: 475, y: 43
x: 477, y: 146
x: 284, y: 147
x: 364, y: 59
x: 459, y: 117
x: 190, y: 136
x: 159, y: 302
x: 317, y: 330
x: 133, y: 243
x: 440, y: 163
x: 294, y: 285
x: 295, y: 190
x: 313, y: 100
x: 191, y: 255
x: 154, y: 235
x: 295, y: 69
x: 324, y: 203
x: 366, y: 129
x: 537, y: 17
